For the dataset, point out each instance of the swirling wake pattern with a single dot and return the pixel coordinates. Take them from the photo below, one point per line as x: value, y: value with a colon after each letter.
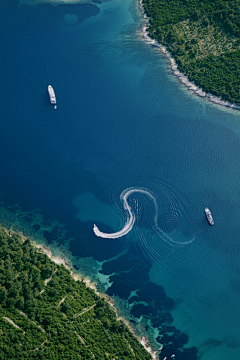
x: 131, y: 219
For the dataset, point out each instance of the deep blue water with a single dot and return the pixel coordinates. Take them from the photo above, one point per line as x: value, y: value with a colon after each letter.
x: 123, y: 121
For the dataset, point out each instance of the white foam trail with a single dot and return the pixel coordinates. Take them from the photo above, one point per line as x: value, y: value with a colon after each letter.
x: 131, y: 219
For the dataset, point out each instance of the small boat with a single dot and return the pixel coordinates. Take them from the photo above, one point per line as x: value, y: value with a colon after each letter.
x: 52, y: 96
x: 209, y: 216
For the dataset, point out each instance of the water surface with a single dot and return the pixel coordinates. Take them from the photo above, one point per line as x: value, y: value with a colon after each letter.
x: 123, y: 121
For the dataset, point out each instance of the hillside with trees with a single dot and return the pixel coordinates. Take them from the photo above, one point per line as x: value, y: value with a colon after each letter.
x: 204, y: 38
x: 46, y: 314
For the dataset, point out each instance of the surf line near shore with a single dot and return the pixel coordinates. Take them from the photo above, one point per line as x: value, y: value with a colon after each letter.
x: 174, y: 68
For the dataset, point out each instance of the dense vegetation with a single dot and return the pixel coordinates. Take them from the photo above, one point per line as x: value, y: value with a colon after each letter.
x: 204, y: 38
x: 46, y: 314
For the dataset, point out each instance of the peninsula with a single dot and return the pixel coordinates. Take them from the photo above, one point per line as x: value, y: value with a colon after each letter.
x: 46, y: 314
x: 204, y: 39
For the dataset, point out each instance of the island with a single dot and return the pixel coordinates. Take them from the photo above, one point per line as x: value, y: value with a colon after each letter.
x: 203, y: 37
x: 46, y: 314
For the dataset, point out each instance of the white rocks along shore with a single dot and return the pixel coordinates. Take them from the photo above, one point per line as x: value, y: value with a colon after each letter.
x: 173, y: 66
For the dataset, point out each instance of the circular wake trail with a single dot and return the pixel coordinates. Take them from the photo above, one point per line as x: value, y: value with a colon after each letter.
x: 131, y: 219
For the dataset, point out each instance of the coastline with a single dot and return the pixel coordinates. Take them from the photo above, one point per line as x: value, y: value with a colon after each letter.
x: 174, y: 68
x: 52, y: 2
x: 61, y: 260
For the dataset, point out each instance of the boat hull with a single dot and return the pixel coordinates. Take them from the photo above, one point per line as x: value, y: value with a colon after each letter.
x: 52, y: 95
x: 209, y: 216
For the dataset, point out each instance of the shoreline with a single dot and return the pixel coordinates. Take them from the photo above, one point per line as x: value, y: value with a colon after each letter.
x: 52, y: 2
x: 174, y: 68
x: 61, y: 260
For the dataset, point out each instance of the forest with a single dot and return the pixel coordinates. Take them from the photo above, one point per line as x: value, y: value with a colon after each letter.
x: 204, y: 38
x: 46, y: 314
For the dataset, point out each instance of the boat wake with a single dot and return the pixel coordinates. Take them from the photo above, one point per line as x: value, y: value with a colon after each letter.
x: 131, y: 219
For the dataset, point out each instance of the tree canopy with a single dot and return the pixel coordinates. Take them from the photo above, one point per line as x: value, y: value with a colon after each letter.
x: 204, y: 38
x: 46, y: 314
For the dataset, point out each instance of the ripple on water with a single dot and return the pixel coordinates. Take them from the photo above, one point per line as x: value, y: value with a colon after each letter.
x: 162, y: 221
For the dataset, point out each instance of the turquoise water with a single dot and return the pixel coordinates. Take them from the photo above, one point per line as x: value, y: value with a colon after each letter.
x: 123, y: 122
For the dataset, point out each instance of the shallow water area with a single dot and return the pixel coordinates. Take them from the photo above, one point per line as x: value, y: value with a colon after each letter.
x: 123, y: 123
x: 53, y: 2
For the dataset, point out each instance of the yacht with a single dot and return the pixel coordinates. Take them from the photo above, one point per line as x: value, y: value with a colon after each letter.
x: 209, y: 216
x: 52, y: 96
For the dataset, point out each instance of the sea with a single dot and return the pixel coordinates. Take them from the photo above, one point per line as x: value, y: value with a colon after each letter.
x: 130, y: 150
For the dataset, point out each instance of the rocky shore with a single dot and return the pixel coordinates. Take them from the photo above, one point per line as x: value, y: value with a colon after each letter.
x: 61, y: 260
x: 174, y: 68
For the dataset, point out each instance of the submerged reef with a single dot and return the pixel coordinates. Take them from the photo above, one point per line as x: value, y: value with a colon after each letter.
x: 148, y: 304
x: 47, y: 314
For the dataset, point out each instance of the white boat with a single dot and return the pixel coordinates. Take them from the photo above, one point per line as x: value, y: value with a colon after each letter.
x: 52, y: 96
x: 209, y: 216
